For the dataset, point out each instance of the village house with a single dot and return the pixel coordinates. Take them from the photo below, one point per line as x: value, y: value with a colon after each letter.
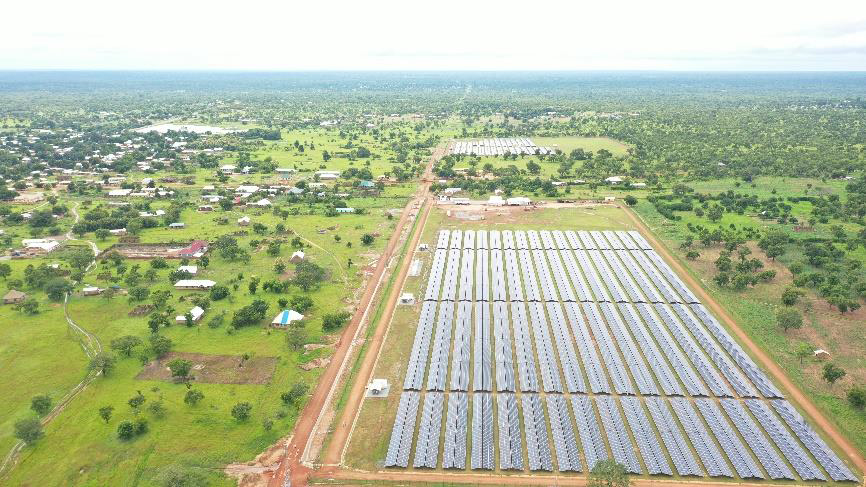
x: 298, y: 256
x: 194, y: 284
x: 286, y: 318
x: 244, y: 221
x: 13, y: 297
x: 192, y: 269
x: 196, y: 313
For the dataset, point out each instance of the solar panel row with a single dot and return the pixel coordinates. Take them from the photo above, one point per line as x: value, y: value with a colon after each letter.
x: 456, y: 422
x: 736, y: 451
x: 759, y: 444
x: 482, y: 432
x: 510, y: 446
x: 523, y: 348
x: 429, y: 429
x: 460, y: 358
x: 617, y: 435
x: 403, y: 430
x: 797, y: 457
x: 535, y: 429
x: 649, y: 447
x: 482, y: 376
x: 502, y: 355
x: 651, y: 352
x: 676, y: 444
x: 825, y: 456
x: 636, y: 365
x: 564, y: 441
x: 701, y: 439
x: 441, y: 347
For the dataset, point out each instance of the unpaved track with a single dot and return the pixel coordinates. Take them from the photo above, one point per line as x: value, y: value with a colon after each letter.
x: 340, y: 436
x: 793, y: 393
x: 291, y: 467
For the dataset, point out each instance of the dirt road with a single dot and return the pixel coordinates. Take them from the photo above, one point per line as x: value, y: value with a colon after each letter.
x: 291, y: 467
x: 793, y: 393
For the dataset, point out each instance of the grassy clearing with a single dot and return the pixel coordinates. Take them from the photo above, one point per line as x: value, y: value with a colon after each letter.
x: 594, y: 144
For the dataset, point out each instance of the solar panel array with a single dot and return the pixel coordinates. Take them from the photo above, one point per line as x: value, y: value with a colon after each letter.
x: 498, y: 147
x: 578, y: 316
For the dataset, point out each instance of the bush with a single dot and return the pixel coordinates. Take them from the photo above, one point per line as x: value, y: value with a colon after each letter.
x: 125, y: 430
x: 241, y: 411
x: 41, y: 404
x: 28, y: 430
x: 332, y: 321
x: 857, y: 397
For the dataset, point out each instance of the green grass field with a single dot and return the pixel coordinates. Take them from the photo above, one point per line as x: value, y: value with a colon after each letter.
x: 593, y: 144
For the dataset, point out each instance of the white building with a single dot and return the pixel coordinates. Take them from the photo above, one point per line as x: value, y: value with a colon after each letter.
x: 194, y: 284
x: 518, y: 201
x: 196, y: 314
x: 613, y: 180
x: 192, y: 269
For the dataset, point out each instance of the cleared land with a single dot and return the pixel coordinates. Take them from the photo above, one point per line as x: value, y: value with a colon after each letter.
x: 214, y: 369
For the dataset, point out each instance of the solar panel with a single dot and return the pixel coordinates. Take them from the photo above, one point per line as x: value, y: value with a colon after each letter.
x: 450, y: 278
x: 443, y: 240
x: 560, y: 277
x: 512, y: 274
x: 679, y: 362
x: 561, y: 240
x: 544, y: 347
x: 613, y: 239
x: 645, y: 437
x: 523, y: 348
x: 639, y: 240
x: 441, y: 347
x: 615, y: 367
x: 595, y: 284
x: 657, y: 279
x: 520, y: 241
x: 650, y: 350
x: 636, y: 365
x: 456, y: 240
x: 672, y: 277
x: 469, y: 239
x: 467, y: 272
x: 565, y: 348
x: 505, y: 380
x: 494, y: 239
x: 703, y: 444
x: 420, y: 347
x: 498, y: 273
x: 482, y: 275
x: 437, y: 270
x: 756, y: 440
x: 456, y: 421
x: 699, y: 361
x: 591, y: 438
x: 572, y: 268
x: 564, y: 440
x: 404, y: 428
x: 825, y: 456
x: 461, y: 340
x: 547, y: 242
x: 585, y: 346
x: 573, y: 240
x: 510, y: 448
x: 528, y: 272
x: 645, y: 285
x: 482, y: 376
x: 743, y: 463
x: 508, y: 240
x: 797, y: 457
x: 482, y: 432
x: 716, y: 354
x: 481, y: 239
x: 429, y: 431
x: 600, y: 241
x: 617, y: 436
x: 545, y: 280
x: 628, y: 284
x: 681, y: 455
x: 627, y: 241
x: 534, y: 241
x: 535, y: 427
x: 586, y: 240
x: 747, y: 366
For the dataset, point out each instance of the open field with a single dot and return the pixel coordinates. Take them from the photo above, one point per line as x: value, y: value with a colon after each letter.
x: 366, y: 448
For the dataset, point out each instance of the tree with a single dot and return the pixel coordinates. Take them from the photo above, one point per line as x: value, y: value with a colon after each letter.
x: 332, y: 321
x: 29, y: 306
x: 630, y: 200
x: 533, y: 167
x: 803, y: 351
x: 832, y: 373
x: 790, y: 296
x: 41, y: 404
x: 57, y: 288
x: 102, y: 233
x: 105, y: 413
x: 253, y: 285
x: 308, y: 275
x: 789, y: 318
x: 5, y: 270
x: 857, y: 397
x: 296, y: 338
x: 157, y: 408
x: 160, y: 345
x: 715, y: 213
x: 157, y: 321
x: 136, y: 401
x: 241, y: 411
x: 293, y: 395
x: 179, y: 476
x: 193, y: 396
x: 102, y: 363
x: 250, y: 314
x: 180, y: 368
x: 28, y: 430
x: 301, y: 303
x: 274, y: 248
x: 692, y: 254
x: 279, y: 267
x: 218, y: 292
x: 125, y: 344
x: 367, y: 239
x: 608, y: 473
x: 125, y: 430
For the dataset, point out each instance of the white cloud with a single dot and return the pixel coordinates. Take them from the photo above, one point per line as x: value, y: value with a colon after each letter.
x: 447, y: 34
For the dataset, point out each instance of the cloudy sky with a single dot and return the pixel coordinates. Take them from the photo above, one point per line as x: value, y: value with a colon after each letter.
x: 434, y: 35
